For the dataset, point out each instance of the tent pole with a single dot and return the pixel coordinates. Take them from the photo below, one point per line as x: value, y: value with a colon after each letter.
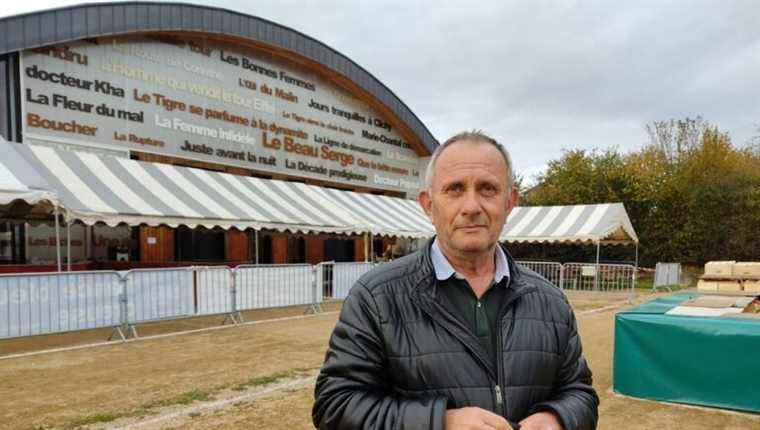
x: 256, y: 245
x: 57, y: 240
x: 637, y: 255
x: 371, y: 247
x: 636, y: 270
x: 68, y: 246
x: 596, y: 274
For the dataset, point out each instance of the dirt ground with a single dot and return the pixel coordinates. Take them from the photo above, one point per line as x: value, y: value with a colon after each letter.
x: 246, y: 370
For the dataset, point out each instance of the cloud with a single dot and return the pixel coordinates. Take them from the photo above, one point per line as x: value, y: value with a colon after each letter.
x: 542, y: 76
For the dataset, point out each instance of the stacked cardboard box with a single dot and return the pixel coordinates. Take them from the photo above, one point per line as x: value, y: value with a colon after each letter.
x: 730, y: 276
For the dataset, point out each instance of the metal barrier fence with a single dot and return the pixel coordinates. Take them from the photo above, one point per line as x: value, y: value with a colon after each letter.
x: 667, y: 275
x: 43, y: 303
x: 344, y: 275
x: 551, y: 271
x: 601, y: 277
x: 269, y: 286
x: 156, y: 294
x: 214, y: 290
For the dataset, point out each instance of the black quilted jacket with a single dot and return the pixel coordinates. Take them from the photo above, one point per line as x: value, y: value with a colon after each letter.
x: 398, y: 358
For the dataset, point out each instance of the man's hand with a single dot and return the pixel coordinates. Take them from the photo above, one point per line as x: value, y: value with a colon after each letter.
x: 541, y: 421
x: 473, y: 418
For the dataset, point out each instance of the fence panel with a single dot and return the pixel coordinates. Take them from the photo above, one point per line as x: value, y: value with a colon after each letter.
x: 213, y: 288
x: 41, y: 303
x: 666, y: 274
x: 602, y: 277
x: 268, y: 286
x: 549, y: 270
x: 154, y: 294
x: 344, y: 275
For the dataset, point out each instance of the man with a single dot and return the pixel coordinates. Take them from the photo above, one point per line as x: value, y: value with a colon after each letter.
x: 457, y: 335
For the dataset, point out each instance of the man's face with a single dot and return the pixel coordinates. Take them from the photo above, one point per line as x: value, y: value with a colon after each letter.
x: 468, y: 201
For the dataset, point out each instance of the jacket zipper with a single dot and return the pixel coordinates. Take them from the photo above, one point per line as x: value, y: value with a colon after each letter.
x: 499, y: 400
x: 499, y: 403
x: 500, y: 378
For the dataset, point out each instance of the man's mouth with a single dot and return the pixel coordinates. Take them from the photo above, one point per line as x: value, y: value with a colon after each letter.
x: 471, y: 227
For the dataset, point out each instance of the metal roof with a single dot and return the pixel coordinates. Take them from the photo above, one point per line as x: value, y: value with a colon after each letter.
x: 53, y: 26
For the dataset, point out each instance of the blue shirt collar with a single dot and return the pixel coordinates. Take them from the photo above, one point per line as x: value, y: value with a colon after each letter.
x: 444, y: 270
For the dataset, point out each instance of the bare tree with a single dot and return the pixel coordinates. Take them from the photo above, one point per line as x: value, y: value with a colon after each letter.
x: 754, y: 141
x: 677, y: 137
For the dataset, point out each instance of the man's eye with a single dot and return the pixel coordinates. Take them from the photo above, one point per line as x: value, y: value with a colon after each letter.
x: 488, y: 190
x: 454, y: 188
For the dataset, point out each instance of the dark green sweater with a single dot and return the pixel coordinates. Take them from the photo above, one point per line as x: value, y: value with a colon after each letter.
x: 479, y: 315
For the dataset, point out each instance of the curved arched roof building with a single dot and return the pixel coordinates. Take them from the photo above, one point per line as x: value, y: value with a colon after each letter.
x: 164, y: 116
x: 91, y: 21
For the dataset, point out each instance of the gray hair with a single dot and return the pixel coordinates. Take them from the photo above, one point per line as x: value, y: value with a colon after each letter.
x: 472, y: 136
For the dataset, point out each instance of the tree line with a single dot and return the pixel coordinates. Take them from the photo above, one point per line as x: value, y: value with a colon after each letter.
x: 691, y: 194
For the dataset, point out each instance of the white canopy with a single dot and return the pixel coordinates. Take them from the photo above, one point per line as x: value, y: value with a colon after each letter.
x: 20, y: 181
x: 102, y: 188
x: 602, y: 223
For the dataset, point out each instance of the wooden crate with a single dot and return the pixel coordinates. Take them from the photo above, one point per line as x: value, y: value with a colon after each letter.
x: 729, y: 286
x: 743, y: 268
x: 719, y: 268
x: 705, y: 285
x: 752, y: 286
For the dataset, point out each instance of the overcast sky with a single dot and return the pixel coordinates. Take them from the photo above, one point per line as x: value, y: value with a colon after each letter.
x: 542, y: 76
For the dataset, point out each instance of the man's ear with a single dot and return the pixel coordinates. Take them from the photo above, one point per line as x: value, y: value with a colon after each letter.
x: 426, y: 202
x: 514, y: 196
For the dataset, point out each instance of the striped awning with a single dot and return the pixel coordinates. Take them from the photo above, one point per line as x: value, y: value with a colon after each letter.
x: 383, y: 215
x: 19, y: 180
x: 101, y: 188
x: 604, y: 223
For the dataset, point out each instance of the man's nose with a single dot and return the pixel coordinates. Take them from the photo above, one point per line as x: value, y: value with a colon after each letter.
x: 471, y: 204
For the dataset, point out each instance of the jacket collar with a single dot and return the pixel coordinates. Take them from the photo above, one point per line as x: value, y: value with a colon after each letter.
x: 444, y: 270
x: 425, y: 279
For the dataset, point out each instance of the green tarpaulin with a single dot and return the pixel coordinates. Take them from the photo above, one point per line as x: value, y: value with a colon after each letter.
x: 710, y: 361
